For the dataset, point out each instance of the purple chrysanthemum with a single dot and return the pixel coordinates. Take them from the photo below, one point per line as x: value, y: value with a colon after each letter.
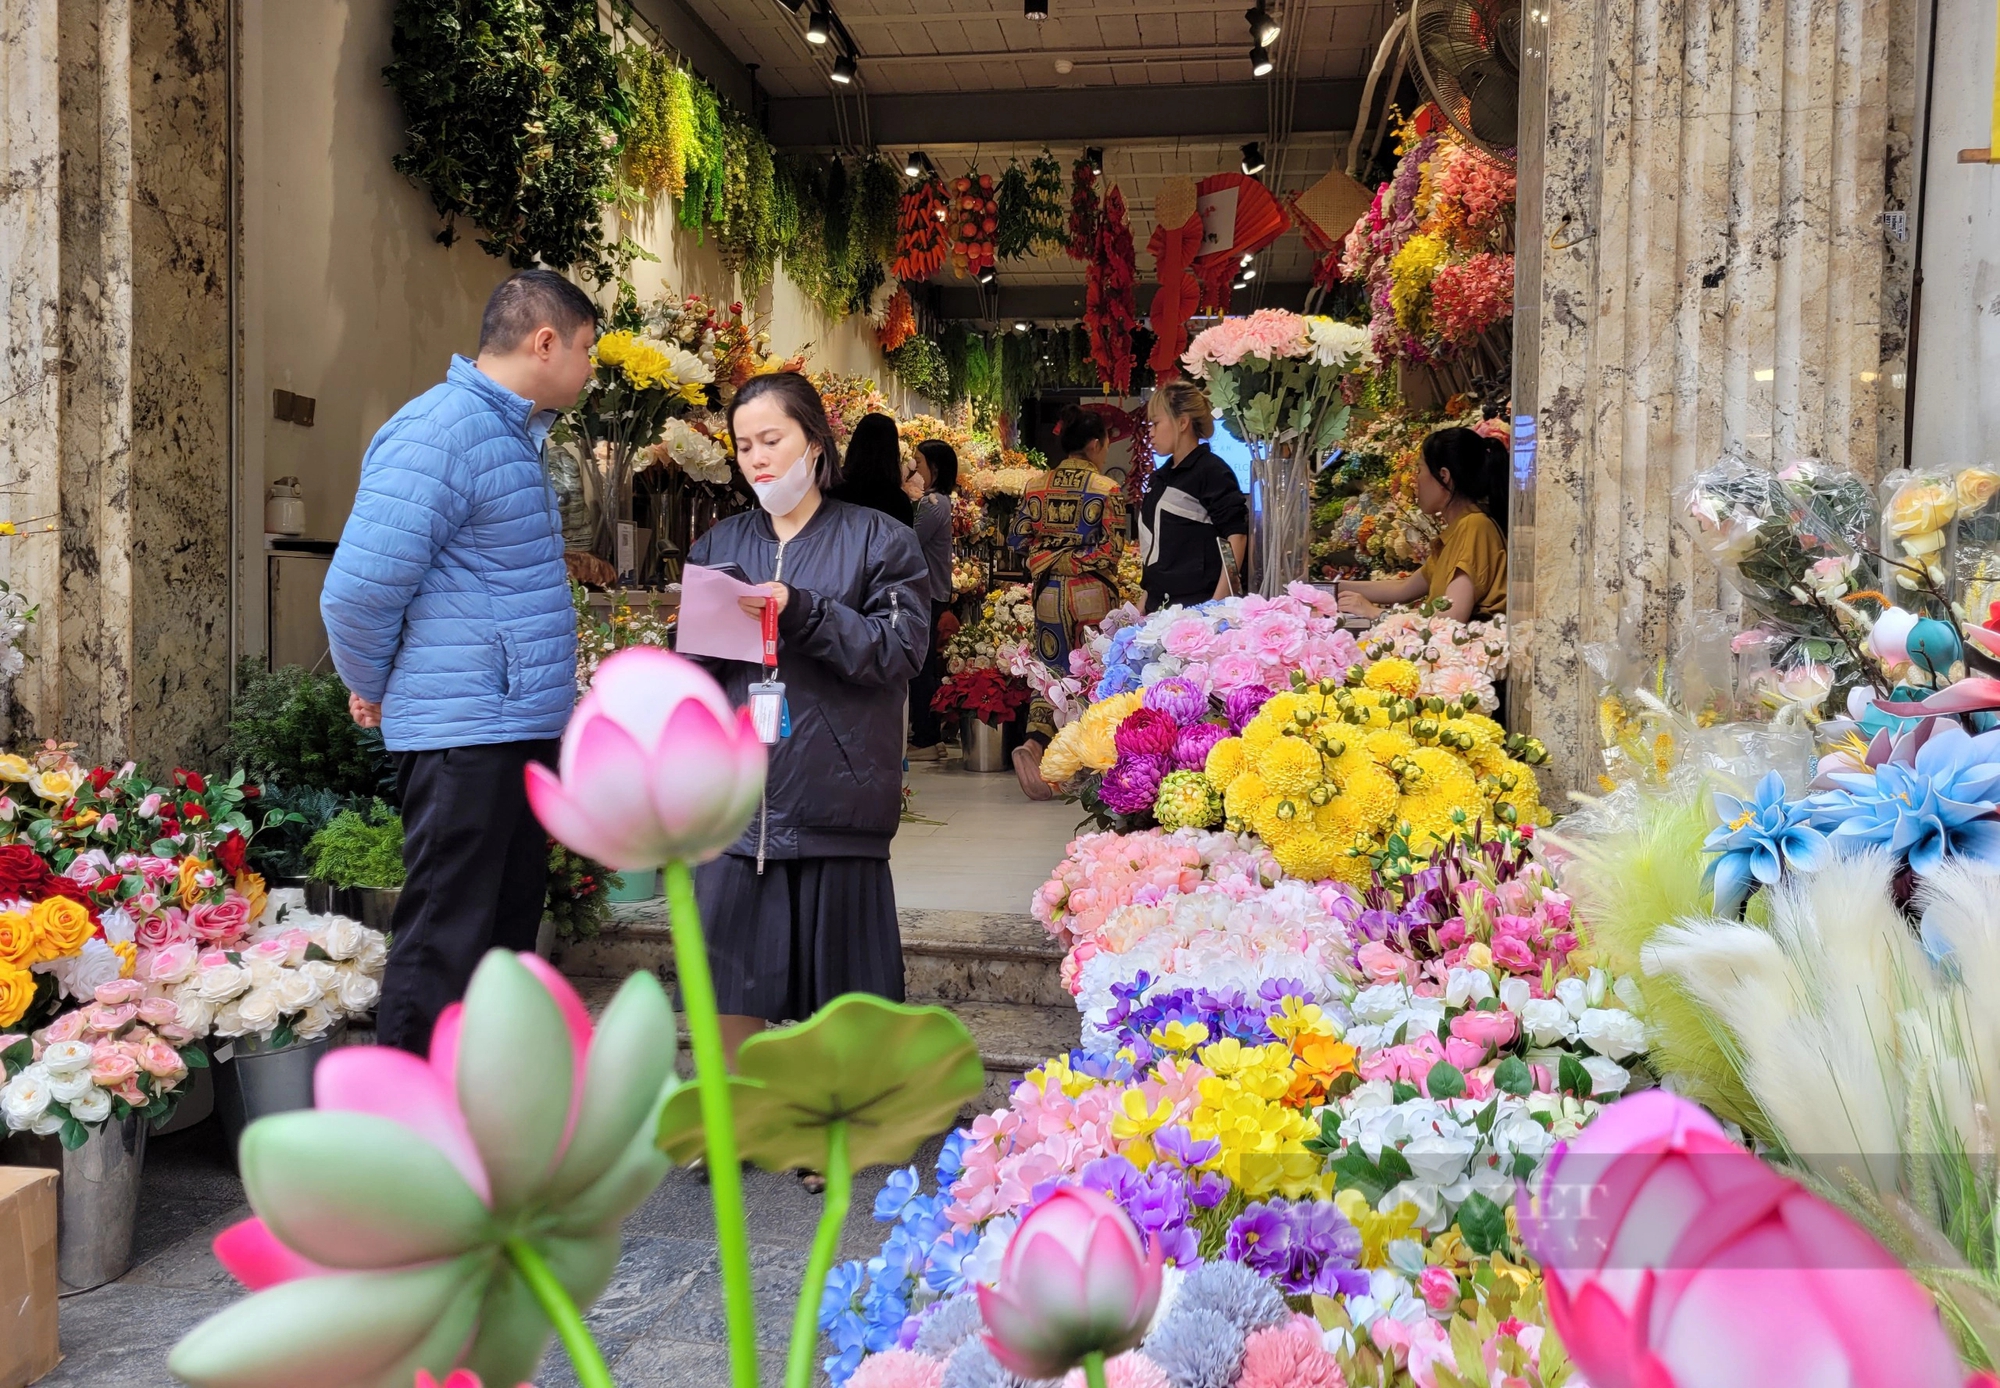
x: 1192, y: 746
x: 1180, y: 699
x: 1242, y: 704
x: 1133, y: 784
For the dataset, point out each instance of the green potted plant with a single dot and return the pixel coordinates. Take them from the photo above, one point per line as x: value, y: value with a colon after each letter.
x: 356, y: 865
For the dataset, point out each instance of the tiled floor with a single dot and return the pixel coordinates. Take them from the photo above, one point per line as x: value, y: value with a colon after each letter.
x: 660, y: 1322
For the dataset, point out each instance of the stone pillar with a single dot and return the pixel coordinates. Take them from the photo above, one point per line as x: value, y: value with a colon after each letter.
x: 1702, y: 270
x: 115, y: 425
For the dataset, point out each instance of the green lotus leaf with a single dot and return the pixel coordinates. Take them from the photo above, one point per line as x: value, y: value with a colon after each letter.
x: 895, y: 1074
x: 353, y: 1190
x: 514, y: 1331
x: 338, y: 1331
x: 631, y: 1060
x: 515, y: 1097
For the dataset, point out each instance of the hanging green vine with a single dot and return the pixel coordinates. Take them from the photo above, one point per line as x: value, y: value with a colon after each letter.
x: 1032, y: 216
x: 653, y: 161
x: 919, y: 363
x: 514, y: 114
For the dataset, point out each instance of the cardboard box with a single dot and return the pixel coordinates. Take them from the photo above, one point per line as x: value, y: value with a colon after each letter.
x: 27, y: 1274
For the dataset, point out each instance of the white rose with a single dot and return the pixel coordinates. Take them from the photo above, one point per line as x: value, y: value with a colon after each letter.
x: 67, y: 1089
x: 1606, y: 1077
x: 316, y: 1021
x: 343, y: 938
x: 358, y: 992
x: 229, y: 1020
x: 81, y: 974
x: 258, y: 1009
x: 262, y: 969
x: 296, y: 991
x: 218, y: 983
x: 1465, y: 987
x: 197, y: 1013
x: 1515, y: 994
x: 49, y: 1124
x: 94, y: 1106
x: 26, y: 1097
x: 323, y: 972
x: 1611, y: 1033
x: 1438, y: 1158
x: 66, y: 1058
x: 374, y: 955
x: 1546, y: 1020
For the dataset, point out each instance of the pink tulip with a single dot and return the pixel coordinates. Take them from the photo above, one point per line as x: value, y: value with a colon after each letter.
x: 1675, y: 1259
x: 1075, y: 1279
x: 655, y: 766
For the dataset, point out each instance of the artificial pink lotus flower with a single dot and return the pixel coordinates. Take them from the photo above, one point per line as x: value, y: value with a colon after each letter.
x: 655, y: 766
x: 1675, y: 1259
x: 457, y: 1378
x: 1075, y: 1280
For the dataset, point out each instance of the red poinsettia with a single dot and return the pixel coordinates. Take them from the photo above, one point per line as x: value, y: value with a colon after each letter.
x: 985, y: 693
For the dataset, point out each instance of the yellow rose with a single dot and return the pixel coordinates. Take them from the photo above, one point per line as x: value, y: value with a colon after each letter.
x: 1919, y: 508
x: 14, y: 768
x: 17, y: 992
x: 251, y: 884
x: 61, y: 927
x: 1975, y: 487
x: 57, y: 786
x: 185, y: 886
x: 17, y: 939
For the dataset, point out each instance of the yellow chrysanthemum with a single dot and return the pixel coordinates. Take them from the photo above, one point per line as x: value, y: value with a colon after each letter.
x: 1279, y: 817
x: 1310, y: 857
x: 61, y: 926
x: 1225, y: 762
x: 1061, y: 760
x: 1388, y: 744
x: 1290, y: 766
x: 1369, y: 801
x: 1441, y: 775
x: 1245, y: 794
x: 1395, y: 675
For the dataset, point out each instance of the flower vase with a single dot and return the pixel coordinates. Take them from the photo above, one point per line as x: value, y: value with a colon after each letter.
x: 97, y: 1198
x: 985, y: 744
x: 1280, y: 518
x: 254, y: 1079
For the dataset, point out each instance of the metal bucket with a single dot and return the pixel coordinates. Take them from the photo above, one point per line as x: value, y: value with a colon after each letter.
x: 97, y: 1198
x: 985, y: 746
x: 253, y: 1080
x: 197, y: 1102
x: 374, y: 907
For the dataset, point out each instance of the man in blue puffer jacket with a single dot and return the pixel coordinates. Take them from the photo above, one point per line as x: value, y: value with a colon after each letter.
x: 448, y: 611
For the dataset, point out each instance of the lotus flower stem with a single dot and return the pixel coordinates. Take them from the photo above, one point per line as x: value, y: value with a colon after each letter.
x: 1093, y: 1369
x: 725, y: 1177
x: 591, y: 1371
x: 826, y: 1244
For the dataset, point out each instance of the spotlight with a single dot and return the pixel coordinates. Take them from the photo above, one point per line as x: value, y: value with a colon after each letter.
x: 941, y: 214
x: 843, y: 69
x: 1260, y: 61
x: 1247, y: 276
x: 1253, y: 161
x: 913, y: 166
x: 819, y: 28
x: 1247, y: 259
x: 1020, y: 327
x: 1263, y: 28
x: 1240, y: 284
x: 1094, y: 155
x: 986, y: 276
x: 1035, y: 9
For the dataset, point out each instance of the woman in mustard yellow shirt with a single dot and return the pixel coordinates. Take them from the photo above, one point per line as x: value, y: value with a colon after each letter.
x: 1463, y: 483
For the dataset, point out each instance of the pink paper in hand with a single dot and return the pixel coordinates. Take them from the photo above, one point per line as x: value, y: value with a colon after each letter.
x: 711, y: 621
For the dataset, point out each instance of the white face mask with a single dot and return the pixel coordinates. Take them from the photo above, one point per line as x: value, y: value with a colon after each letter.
x: 781, y: 495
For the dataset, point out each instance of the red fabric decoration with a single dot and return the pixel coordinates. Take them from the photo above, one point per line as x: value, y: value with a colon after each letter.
x: 1259, y: 222
x: 1173, y: 250
x: 1109, y: 312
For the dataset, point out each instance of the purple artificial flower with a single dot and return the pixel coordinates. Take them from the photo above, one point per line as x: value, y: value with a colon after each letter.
x: 1211, y: 1188
x: 1146, y: 732
x: 1192, y: 746
x: 1305, y: 1247
x: 1241, y: 705
x: 1133, y: 784
x: 1175, y: 1144
x: 1261, y: 1239
x: 1180, y: 699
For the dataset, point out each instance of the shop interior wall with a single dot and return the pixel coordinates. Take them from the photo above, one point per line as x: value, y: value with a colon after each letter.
x: 347, y: 295
x: 1957, y: 385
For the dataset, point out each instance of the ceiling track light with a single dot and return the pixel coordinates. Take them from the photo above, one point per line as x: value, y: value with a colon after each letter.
x: 844, y: 70
x: 1035, y: 9
x: 1020, y: 327
x: 987, y: 276
x: 1260, y: 61
x: 1094, y: 156
x: 1247, y: 276
x: 1263, y: 28
x: 1253, y: 163
x: 913, y: 167
x: 819, y: 28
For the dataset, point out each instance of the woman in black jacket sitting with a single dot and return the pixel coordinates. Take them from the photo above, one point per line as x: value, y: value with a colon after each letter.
x: 801, y: 908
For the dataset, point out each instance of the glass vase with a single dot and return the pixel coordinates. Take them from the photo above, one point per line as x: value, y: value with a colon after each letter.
x: 1280, y: 518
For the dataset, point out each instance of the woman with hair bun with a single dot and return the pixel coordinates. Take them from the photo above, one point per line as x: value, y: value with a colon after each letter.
x: 1463, y: 483
x: 1195, y: 523
x: 1071, y: 526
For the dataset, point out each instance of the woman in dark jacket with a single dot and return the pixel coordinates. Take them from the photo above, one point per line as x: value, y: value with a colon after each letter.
x: 937, y: 470
x: 801, y: 908
x: 873, y: 473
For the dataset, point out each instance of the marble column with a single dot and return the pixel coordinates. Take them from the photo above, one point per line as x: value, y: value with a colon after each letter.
x: 115, y: 424
x: 1704, y: 269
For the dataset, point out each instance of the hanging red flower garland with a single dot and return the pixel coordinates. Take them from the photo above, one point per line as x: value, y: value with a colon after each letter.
x: 920, y: 231
x: 1109, y: 312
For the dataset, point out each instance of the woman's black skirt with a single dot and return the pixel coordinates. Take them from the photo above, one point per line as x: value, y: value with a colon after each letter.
x: 783, y: 945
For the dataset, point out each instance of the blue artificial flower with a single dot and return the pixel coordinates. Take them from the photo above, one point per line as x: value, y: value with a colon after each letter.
x: 951, y: 1159
x: 946, y: 1273
x: 1944, y: 799
x: 897, y: 1192
x: 843, y: 1284
x: 1757, y: 840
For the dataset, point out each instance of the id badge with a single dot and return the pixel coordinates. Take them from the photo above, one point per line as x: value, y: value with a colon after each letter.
x: 769, y: 713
